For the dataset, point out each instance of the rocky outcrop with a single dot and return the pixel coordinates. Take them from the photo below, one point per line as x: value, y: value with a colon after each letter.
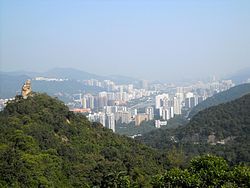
x: 26, y: 89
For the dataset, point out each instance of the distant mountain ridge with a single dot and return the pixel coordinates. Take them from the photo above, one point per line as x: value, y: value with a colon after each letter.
x: 69, y: 73
x: 222, y: 97
x: 73, y: 74
x: 11, y: 81
x: 240, y: 76
x: 10, y: 84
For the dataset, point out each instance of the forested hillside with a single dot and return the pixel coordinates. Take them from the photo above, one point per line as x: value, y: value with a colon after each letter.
x: 223, y: 130
x: 222, y: 97
x: 43, y: 144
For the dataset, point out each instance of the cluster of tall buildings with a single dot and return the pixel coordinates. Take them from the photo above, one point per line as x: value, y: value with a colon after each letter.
x: 111, y: 86
x: 107, y: 120
x: 102, y: 99
x: 185, y: 98
x: 112, y: 96
x: 121, y: 103
x: 111, y: 106
x: 113, y: 114
x: 110, y: 115
x: 169, y: 105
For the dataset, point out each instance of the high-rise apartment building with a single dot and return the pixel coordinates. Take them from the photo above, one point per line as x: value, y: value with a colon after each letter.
x: 177, y: 106
x: 111, y: 121
x: 150, y: 112
x: 124, y: 117
x: 159, y: 100
x: 165, y: 114
x: 102, y: 118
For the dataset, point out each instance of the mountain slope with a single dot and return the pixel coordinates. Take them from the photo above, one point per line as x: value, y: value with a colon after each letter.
x: 240, y: 76
x: 71, y: 73
x: 43, y: 144
x: 68, y: 87
x: 10, y: 84
x: 223, y: 130
x: 222, y: 97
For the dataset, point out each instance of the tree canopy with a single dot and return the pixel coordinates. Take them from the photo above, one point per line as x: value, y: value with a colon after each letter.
x: 43, y: 144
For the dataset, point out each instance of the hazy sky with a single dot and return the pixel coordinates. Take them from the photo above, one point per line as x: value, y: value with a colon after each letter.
x: 143, y: 38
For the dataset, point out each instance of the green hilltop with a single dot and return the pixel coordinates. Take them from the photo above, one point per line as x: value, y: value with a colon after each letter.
x: 222, y: 130
x: 43, y: 144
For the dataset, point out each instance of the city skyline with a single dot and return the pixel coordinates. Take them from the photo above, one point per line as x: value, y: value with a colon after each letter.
x: 153, y: 40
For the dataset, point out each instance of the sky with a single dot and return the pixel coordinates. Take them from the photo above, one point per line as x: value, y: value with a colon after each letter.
x: 149, y: 39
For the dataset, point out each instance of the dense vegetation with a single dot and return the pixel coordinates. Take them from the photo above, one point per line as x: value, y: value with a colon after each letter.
x: 222, y: 130
x: 222, y: 97
x: 205, y: 171
x: 42, y: 144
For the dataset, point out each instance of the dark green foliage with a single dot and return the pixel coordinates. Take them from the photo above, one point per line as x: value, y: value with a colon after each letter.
x: 176, y: 157
x: 222, y: 97
x: 223, y: 130
x: 205, y: 171
x: 43, y: 144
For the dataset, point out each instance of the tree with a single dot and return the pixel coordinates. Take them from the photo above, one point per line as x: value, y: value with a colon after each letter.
x: 205, y: 171
x: 176, y: 157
